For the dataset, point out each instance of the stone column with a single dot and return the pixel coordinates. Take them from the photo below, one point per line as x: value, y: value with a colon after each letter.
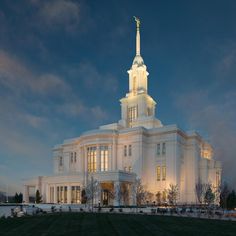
x: 26, y: 194
x: 114, y: 154
x: 109, y: 158
x: 55, y: 194
x: 47, y: 194
x: 117, y: 199
x: 98, y: 167
x: 85, y: 166
x: 69, y: 194
x: 132, y: 194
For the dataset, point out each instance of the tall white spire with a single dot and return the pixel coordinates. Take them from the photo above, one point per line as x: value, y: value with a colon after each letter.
x: 137, y: 36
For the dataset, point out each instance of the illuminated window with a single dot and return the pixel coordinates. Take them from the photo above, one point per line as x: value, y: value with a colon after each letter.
x: 163, y: 148
x: 130, y: 169
x: 130, y: 150
x: 75, y: 194
x: 158, y: 149
x: 60, y: 161
x: 92, y: 159
x: 158, y: 173
x: 125, y: 150
x: 104, y: 158
x: 75, y: 157
x: 132, y: 115
x: 164, y: 172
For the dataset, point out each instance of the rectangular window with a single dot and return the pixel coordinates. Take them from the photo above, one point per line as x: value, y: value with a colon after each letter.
x: 60, y: 161
x: 130, y: 169
x: 75, y: 157
x: 92, y: 159
x: 130, y: 150
x: 125, y: 150
x: 125, y: 168
x: 104, y: 158
x: 163, y: 148
x: 164, y: 172
x: 158, y: 149
x: 75, y: 194
x: 71, y: 157
x: 158, y: 173
x: 132, y: 115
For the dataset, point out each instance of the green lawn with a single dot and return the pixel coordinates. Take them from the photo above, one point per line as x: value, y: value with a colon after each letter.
x: 113, y: 224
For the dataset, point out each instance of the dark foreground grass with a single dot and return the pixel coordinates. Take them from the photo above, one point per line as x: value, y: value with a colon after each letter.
x: 113, y: 224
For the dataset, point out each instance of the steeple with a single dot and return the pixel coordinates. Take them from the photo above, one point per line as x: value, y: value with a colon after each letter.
x: 138, y: 60
x: 137, y: 107
x: 137, y: 36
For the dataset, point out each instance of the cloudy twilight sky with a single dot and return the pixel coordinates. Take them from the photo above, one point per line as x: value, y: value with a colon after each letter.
x: 63, y: 69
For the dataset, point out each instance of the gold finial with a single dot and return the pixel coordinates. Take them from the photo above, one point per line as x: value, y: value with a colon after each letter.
x: 137, y: 21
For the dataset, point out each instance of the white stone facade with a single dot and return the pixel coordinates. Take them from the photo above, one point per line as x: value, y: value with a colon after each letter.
x: 138, y: 146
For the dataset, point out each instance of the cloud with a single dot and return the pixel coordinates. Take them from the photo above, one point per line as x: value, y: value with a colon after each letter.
x: 217, y: 120
x: 228, y: 57
x: 19, y: 78
x: 59, y: 14
x: 92, y: 78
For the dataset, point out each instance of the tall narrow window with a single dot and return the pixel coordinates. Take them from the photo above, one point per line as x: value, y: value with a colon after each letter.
x: 75, y: 157
x: 158, y: 149
x: 71, y: 157
x: 163, y: 148
x: 75, y: 194
x: 104, y: 158
x: 158, y: 173
x: 164, y: 172
x: 132, y: 115
x: 125, y: 150
x: 92, y: 159
x: 60, y: 161
x: 130, y: 150
x: 130, y: 169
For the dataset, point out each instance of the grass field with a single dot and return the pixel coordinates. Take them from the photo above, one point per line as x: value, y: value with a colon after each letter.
x: 113, y: 224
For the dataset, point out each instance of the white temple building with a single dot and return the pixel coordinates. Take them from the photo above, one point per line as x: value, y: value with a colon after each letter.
x: 138, y: 146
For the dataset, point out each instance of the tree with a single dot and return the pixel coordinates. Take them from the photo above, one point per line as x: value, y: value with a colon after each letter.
x: 209, y: 196
x: 38, y: 197
x: 149, y: 197
x: 164, y: 196
x: 158, y: 198
x: 83, y: 197
x: 16, y: 198
x: 122, y: 193
x: 92, y: 190
x: 173, y: 194
x: 20, y: 197
x: 200, y: 190
x: 224, y: 193
x: 139, y: 192
x: 231, y: 200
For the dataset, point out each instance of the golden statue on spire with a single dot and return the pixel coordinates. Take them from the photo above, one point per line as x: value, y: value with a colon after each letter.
x: 137, y: 21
